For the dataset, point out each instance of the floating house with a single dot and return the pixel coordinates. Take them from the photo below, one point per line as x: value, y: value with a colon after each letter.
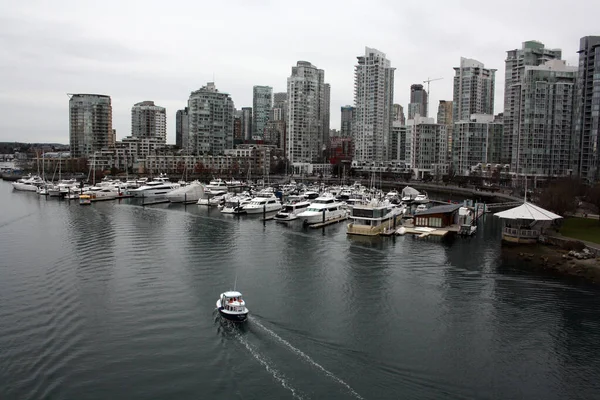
x: 438, y: 217
x: 525, y: 223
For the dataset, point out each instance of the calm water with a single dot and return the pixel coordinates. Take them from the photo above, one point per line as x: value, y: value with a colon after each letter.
x: 116, y: 301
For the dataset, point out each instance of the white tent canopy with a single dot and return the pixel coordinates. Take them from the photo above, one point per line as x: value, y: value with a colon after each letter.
x: 528, y: 211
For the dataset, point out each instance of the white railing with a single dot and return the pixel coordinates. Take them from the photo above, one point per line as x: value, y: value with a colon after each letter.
x: 526, y: 233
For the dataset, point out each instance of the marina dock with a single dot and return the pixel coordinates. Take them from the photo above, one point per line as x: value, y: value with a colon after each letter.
x: 330, y: 222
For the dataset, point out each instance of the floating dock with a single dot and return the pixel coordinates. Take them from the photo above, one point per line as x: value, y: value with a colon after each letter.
x: 151, y: 203
x: 330, y: 222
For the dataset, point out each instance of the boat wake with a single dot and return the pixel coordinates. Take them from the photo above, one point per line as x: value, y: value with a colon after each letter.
x: 305, y: 357
x: 279, y: 376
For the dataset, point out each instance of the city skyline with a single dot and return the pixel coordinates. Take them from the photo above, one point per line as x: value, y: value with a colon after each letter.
x: 134, y: 62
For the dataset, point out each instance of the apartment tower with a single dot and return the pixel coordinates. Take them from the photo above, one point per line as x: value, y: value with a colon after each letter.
x: 373, y: 101
x: 90, y: 124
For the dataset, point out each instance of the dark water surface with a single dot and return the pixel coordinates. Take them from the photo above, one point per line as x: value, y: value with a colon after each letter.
x: 116, y: 301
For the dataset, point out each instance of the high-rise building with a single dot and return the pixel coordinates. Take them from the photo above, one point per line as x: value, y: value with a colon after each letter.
x: 306, y: 100
x: 532, y: 53
x: 325, y: 114
x: 476, y: 141
x: 398, y: 114
x: 149, y: 121
x: 444, y: 117
x: 418, y: 101
x: 473, y: 90
x: 279, y: 106
x: 262, y: 102
x: 238, y: 133
x: 373, y: 99
x: 182, y: 129
x: 542, y: 144
x: 400, y: 143
x: 587, y: 110
x: 347, y: 117
x: 211, y: 120
x: 247, y: 123
x: 90, y: 124
x: 428, y: 154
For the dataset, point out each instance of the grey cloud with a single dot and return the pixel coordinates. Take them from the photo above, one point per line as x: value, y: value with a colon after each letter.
x: 163, y: 51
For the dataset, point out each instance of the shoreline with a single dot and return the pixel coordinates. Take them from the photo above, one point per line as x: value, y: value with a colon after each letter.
x: 553, y: 259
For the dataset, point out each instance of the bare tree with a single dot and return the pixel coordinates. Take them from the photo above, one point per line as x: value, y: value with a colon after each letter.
x: 559, y: 196
x: 593, y: 196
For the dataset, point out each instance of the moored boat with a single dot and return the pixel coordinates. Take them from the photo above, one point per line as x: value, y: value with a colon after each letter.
x: 262, y: 204
x: 289, y: 211
x: 85, y: 199
x: 322, y: 209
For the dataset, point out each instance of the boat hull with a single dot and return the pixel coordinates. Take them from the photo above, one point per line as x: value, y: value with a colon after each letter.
x: 285, y: 218
x: 317, y: 217
x: 260, y: 210
x: 238, y: 317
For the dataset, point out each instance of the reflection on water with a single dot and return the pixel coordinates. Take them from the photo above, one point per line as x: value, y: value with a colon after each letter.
x: 116, y: 300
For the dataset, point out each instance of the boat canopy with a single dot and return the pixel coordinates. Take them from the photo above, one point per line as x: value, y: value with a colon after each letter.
x: 409, y: 192
x: 232, y: 294
x: 528, y: 211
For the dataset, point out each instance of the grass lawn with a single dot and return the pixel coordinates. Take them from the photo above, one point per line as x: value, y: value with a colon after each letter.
x: 582, y: 229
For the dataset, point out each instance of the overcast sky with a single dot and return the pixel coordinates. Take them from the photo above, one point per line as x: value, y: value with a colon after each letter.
x: 162, y: 50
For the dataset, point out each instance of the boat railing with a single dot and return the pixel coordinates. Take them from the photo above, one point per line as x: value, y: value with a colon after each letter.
x: 527, y: 233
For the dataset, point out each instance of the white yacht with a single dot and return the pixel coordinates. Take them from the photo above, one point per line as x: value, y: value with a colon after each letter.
x: 97, y: 193
x: 63, y: 188
x: 235, y: 205
x: 325, y: 206
x: 231, y: 306
x: 28, y: 184
x: 421, y: 207
x: 421, y: 198
x: 373, y: 218
x: 189, y: 193
x: 156, y: 188
x: 234, y: 185
x: 262, y: 204
x: 290, y: 210
x: 216, y: 185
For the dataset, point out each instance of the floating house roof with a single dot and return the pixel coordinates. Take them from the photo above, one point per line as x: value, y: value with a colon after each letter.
x: 439, y: 210
x: 528, y: 211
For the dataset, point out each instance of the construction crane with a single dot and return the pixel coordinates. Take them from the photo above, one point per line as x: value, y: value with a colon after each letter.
x: 428, y: 81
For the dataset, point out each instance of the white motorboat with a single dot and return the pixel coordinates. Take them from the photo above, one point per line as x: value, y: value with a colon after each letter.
x: 290, y: 210
x: 373, y: 218
x: 155, y: 188
x: 420, y: 208
x: 63, y: 188
x: 235, y: 205
x: 28, y: 184
x: 231, y: 306
x: 189, y: 193
x: 216, y: 185
x: 421, y: 198
x: 102, y: 193
x: 211, y: 198
x: 323, y: 208
x: 234, y: 185
x: 262, y: 204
